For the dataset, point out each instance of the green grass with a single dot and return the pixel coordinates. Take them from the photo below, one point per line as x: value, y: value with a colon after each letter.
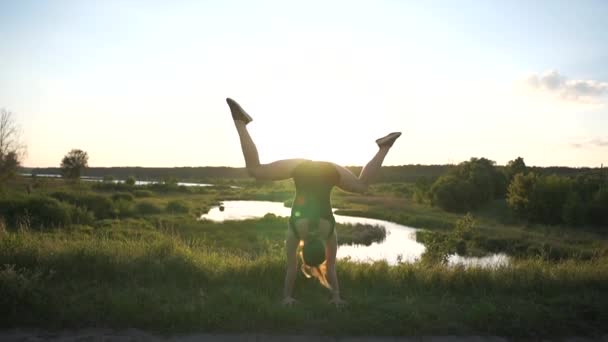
x: 167, y: 271
x: 159, y: 281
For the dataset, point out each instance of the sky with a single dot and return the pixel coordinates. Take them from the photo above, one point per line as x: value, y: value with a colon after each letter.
x: 143, y: 83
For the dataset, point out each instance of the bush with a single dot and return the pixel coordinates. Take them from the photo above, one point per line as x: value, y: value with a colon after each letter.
x: 110, y: 186
x: 519, y: 192
x: 468, y: 186
x: 101, y: 206
x: 548, y: 199
x: 123, y: 208
x: 124, y: 196
x: 439, y: 246
x: 451, y: 194
x: 130, y: 181
x: 108, y: 179
x: 574, y: 211
x: 143, y: 193
x: 147, y: 208
x: 82, y: 216
x: 38, y: 212
x: 178, y: 206
x: 598, y: 208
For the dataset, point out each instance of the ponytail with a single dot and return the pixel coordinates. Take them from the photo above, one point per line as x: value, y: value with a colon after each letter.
x: 319, y: 271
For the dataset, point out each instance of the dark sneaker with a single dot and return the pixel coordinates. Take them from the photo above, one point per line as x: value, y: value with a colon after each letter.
x: 238, y: 113
x: 388, y: 140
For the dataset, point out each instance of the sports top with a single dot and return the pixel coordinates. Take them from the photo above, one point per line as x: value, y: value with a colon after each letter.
x: 314, y: 181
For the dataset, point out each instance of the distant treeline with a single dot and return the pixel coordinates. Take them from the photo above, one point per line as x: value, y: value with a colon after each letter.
x: 153, y: 173
x: 402, y: 173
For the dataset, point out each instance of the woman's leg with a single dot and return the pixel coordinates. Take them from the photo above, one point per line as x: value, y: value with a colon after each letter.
x: 278, y: 170
x: 350, y: 182
x: 331, y: 250
x: 291, y: 247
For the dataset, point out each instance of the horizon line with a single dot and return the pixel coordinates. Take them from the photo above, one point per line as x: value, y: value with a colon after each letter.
x: 243, y: 167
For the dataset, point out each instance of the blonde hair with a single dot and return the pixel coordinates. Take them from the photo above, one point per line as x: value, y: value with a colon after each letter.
x: 319, y: 272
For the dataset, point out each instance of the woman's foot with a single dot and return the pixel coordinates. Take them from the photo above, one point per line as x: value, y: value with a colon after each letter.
x: 388, y: 140
x: 238, y: 113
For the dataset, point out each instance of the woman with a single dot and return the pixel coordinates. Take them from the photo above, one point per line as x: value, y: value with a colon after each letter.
x: 312, y: 224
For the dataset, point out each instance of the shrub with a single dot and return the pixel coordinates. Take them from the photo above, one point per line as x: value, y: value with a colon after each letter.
x: 143, y: 193
x: 519, y: 192
x: 574, y: 210
x: 178, y: 206
x: 147, y: 208
x: 468, y: 186
x: 37, y: 212
x: 598, y: 208
x: 439, y: 246
x: 124, y: 196
x: 548, y: 199
x: 110, y: 186
x: 101, y: 206
x: 451, y: 194
x: 130, y: 181
x: 81, y: 215
x: 108, y: 179
x: 123, y: 208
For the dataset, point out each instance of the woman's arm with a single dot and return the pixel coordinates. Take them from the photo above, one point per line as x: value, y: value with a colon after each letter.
x: 291, y: 247
x: 331, y: 249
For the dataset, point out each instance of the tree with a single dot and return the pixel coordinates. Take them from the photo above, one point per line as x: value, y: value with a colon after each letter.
x: 11, y: 148
x: 74, y: 163
x: 548, y: 199
x: 519, y: 193
x: 486, y: 181
x: 599, y: 207
x: 130, y: 181
x: 468, y: 186
x: 514, y: 167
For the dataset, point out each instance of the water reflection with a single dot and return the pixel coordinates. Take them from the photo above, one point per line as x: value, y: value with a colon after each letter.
x: 400, y: 244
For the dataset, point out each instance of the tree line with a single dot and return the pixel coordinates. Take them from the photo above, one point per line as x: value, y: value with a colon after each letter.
x: 391, y: 174
x: 533, y: 194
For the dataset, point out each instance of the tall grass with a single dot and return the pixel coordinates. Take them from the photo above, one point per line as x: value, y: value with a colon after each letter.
x: 162, y: 281
x: 148, y: 263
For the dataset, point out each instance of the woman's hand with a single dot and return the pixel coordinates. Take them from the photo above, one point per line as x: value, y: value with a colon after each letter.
x: 338, y: 302
x: 289, y: 301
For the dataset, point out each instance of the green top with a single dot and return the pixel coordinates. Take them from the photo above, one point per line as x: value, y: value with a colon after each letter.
x: 314, y: 182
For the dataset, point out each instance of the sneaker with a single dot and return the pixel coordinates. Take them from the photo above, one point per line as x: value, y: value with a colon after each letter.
x: 388, y: 140
x: 238, y: 113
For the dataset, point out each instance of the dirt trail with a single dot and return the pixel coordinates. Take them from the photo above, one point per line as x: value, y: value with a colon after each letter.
x: 133, y: 335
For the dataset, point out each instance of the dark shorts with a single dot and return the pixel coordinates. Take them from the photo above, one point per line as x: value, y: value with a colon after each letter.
x: 314, y: 225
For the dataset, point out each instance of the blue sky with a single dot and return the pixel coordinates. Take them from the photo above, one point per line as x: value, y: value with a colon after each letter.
x: 143, y: 83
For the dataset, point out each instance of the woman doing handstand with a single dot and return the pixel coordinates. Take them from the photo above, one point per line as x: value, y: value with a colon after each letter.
x: 312, y: 224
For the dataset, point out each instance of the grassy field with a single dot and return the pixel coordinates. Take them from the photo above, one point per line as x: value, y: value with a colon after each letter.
x: 161, y: 269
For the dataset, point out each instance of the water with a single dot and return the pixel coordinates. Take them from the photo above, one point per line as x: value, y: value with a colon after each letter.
x: 100, y: 179
x: 400, y: 244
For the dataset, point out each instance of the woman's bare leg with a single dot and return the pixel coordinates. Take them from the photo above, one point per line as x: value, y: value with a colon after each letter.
x: 291, y: 247
x: 331, y: 250
x: 250, y: 151
x: 277, y: 170
x: 350, y: 182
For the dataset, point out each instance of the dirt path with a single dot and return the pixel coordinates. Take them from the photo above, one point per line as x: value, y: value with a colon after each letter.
x: 132, y: 335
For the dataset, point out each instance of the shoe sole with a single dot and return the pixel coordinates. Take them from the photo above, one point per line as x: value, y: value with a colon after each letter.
x: 389, y: 139
x: 240, y: 112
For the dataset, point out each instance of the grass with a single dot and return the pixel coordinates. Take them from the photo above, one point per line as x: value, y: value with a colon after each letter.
x: 169, y: 272
x: 161, y: 282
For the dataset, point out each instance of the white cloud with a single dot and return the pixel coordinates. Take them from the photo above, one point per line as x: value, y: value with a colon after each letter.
x: 574, y: 90
x: 594, y: 142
